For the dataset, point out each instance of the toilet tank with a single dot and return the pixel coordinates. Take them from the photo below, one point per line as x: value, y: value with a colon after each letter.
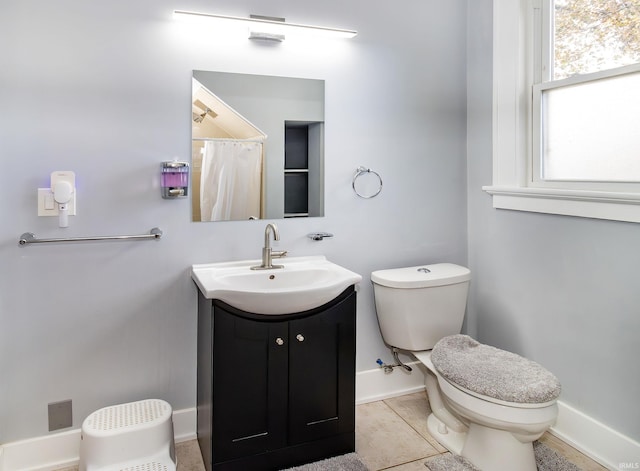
x: 417, y: 306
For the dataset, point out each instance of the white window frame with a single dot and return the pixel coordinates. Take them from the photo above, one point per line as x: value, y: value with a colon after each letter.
x: 516, y: 57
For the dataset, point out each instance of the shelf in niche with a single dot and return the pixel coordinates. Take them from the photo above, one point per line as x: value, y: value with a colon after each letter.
x: 303, y: 169
x: 296, y: 190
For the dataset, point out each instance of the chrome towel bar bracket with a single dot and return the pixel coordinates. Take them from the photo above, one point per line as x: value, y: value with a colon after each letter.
x: 30, y: 238
x: 319, y: 235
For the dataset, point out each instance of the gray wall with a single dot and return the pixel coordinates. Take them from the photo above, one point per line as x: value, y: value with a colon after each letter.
x: 563, y: 291
x: 104, y: 88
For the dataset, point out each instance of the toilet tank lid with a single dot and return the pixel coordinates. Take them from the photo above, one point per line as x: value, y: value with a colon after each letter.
x: 422, y: 276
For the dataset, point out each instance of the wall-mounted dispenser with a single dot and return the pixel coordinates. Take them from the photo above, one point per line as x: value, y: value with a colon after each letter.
x: 175, y: 179
x: 60, y: 198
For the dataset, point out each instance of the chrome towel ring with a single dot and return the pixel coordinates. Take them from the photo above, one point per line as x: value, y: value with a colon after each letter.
x: 364, y: 192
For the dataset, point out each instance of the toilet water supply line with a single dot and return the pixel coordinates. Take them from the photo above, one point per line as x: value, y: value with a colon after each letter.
x: 389, y: 368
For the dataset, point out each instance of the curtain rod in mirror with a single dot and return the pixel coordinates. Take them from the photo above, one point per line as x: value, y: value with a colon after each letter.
x: 275, y: 26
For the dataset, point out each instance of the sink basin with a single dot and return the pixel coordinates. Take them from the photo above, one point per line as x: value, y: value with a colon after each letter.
x: 304, y: 283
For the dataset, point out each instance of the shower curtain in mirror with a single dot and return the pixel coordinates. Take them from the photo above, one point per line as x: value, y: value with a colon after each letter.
x: 231, y: 181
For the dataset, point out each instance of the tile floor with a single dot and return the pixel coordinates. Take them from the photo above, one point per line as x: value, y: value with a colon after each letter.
x: 391, y: 435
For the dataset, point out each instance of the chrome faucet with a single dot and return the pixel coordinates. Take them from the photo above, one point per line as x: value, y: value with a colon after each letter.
x: 267, y: 254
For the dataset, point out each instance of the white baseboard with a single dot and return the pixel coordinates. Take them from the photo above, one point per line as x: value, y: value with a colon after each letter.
x: 595, y: 439
x: 184, y: 425
x: 375, y: 385
x: 45, y: 453
x: 62, y: 450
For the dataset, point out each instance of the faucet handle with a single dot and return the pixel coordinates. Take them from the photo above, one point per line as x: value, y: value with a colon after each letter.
x: 279, y: 254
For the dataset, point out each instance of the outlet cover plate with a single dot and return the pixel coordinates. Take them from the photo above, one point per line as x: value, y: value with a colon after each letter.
x: 60, y: 415
x: 44, y: 195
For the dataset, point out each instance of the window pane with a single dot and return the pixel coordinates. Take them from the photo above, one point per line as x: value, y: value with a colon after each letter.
x: 593, y: 35
x: 591, y: 131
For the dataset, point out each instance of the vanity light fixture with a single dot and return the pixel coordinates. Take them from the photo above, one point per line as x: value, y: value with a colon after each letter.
x: 270, y: 32
x: 269, y: 28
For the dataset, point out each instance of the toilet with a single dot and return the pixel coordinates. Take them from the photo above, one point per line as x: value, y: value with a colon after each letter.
x: 488, y: 405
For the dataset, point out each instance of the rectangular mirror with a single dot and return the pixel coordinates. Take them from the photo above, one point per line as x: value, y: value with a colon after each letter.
x: 257, y: 147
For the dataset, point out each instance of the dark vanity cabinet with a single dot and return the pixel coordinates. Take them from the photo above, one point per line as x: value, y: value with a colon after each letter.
x: 275, y: 391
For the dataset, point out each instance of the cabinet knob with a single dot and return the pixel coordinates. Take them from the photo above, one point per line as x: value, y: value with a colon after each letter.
x: 279, y: 341
x: 300, y: 338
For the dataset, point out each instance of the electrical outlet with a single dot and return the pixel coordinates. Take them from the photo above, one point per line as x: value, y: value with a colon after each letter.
x: 60, y: 415
x: 48, y: 207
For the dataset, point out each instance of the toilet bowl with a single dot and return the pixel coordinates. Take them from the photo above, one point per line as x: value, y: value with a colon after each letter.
x: 488, y: 405
x: 489, y: 432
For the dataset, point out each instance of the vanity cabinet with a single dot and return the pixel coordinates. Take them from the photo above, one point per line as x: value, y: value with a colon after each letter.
x: 275, y: 391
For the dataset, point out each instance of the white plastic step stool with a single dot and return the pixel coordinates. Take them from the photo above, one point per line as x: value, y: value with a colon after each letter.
x: 137, y: 436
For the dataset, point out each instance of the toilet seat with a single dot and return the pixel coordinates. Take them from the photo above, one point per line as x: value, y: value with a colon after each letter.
x: 499, y: 414
x: 492, y: 374
x: 490, y: 407
x: 493, y: 400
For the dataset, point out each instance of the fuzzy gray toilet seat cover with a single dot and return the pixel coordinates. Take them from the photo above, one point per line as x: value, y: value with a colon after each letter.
x: 493, y: 372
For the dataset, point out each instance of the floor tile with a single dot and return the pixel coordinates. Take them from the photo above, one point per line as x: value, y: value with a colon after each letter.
x: 189, y: 457
x: 384, y: 440
x: 414, y: 409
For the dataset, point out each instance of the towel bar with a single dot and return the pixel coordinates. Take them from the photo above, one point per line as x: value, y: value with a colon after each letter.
x: 30, y: 238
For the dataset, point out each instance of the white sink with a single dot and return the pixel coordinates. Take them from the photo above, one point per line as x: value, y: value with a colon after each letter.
x: 304, y: 283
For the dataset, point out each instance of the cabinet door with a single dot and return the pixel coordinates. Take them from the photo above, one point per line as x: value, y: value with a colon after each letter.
x: 322, y: 373
x: 250, y: 386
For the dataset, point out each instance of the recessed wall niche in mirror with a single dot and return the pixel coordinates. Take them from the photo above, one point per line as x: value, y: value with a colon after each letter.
x: 257, y: 147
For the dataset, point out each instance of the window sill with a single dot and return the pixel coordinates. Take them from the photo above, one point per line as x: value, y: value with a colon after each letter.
x: 589, y: 204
